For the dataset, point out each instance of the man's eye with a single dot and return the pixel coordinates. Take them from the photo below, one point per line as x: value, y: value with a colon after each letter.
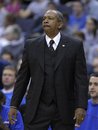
x: 96, y: 84
x: 51, y: 18
x: 43, y: 18
x: 90, y: 83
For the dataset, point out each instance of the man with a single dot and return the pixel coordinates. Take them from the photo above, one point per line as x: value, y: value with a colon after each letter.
x: 91, y: 6
x: 16, y: 44
x: 77, y: 19
x: 8, y: 57
x: 3, y: 63
x: 4, y: 122
x: 8, y: 80
x: 58, y: 87
x: 91, y: 120
x: 35, y: 8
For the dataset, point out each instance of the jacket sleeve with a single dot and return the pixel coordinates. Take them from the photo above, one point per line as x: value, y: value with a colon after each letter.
x: 22, y: 80
x: 81, y: 80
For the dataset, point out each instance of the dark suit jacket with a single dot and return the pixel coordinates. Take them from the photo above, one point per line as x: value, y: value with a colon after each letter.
x: 71, y: 82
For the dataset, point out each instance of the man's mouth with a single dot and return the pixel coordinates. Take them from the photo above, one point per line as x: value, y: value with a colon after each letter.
x: 46, y: 25
x: 92, y: 91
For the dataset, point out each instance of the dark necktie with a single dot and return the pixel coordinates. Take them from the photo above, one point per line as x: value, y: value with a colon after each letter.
x: 51, y: 45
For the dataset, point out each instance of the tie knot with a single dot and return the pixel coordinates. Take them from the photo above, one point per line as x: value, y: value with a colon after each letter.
x: 51, y: 42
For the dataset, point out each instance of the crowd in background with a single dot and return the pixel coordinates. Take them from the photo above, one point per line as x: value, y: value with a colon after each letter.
x: 21, y: 20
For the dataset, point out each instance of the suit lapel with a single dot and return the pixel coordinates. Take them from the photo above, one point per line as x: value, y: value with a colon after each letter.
x: 62, y: 48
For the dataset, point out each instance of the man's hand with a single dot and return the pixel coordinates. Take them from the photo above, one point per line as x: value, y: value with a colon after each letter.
x: 12, y: 115
x: 79, y: 116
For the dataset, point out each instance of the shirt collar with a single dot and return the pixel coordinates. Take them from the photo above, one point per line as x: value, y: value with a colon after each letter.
x: 7, y: 91
x: 56, y: 39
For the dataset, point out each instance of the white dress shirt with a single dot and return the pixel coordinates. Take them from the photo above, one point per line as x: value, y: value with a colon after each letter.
x: 56, y: 39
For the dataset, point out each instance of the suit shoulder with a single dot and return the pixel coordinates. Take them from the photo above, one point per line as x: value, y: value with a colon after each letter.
x: 74, y: 41
x: 33, y: 41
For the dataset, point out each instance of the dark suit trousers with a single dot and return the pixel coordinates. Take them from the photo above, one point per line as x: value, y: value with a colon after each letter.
x: 47, y: 116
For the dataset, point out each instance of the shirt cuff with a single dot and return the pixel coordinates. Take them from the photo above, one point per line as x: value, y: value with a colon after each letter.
x: 13, y: 107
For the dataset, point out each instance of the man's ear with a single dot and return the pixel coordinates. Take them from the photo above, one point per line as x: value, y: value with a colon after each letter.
x: 61, y: 24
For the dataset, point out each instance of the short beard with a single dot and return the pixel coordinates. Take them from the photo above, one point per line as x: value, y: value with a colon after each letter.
x: 7, y: 87
x: 95, y: 99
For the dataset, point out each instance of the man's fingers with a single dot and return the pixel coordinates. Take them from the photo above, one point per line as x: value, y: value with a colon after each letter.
x: 79, y: 118
x: 74, y: 117
x: 12, y: 115
x: 76, y: 125
x: 12, y: 119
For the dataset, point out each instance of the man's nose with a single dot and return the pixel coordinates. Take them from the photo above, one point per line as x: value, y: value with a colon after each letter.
x: 92, y: 86
x: 46, y: 21
x: 6, y: 77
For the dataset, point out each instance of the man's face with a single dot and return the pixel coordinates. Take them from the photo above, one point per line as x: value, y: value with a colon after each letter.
x: 50, y: 22
x: 7, y: 57
x: 9, y: 36
x: 93, y: 87
x: 95, y: 64
x: 8, y: 78
x: 90, y: 25
x: 77, y: 7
